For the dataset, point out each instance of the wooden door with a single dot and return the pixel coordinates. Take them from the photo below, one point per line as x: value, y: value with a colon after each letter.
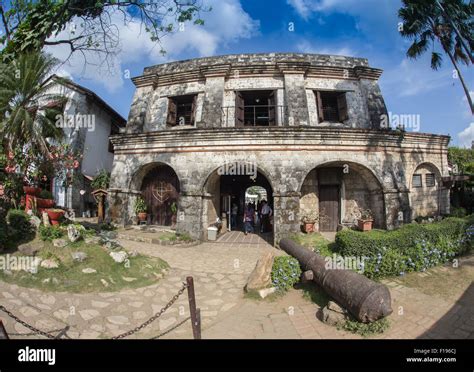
x: 342, y: 106
x: 161, y: 190
x: 271, y: 109
x: 329, y: 207
x: 172, y: 112
x: 239, y: 109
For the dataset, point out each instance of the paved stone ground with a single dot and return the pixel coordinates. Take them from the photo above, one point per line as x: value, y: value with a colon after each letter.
x: 220, y: 271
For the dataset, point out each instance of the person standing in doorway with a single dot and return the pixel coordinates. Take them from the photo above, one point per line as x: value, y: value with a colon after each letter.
x: 233, y: 216
x: 248, y: 219
x: 266, y: 213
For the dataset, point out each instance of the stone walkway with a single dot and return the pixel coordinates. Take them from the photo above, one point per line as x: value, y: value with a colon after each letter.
x: 220, y: 270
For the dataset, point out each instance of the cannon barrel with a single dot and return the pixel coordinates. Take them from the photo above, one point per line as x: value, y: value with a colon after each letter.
x: 365, y: 299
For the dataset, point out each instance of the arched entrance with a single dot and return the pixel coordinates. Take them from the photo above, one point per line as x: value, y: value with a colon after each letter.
x: 227, y: 191
x: 338, y: 192
x: 160, y: 189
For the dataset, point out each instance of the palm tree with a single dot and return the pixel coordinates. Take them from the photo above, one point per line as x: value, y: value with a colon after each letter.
x: 428, y: 24
x: 27, y: 106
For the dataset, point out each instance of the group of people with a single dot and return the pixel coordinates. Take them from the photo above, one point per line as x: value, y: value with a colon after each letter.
x: 253, y: 216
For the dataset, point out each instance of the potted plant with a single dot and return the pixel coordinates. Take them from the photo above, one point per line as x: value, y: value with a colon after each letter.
x: 55, y: 215
x: 140, y: 209
x: 309, y: 221
x: 365, y: 220
x: 174, y: 210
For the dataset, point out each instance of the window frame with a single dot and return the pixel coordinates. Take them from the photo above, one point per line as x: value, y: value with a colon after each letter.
x: 432, y: 177
x: 341, y: 107
x: 420, y: 176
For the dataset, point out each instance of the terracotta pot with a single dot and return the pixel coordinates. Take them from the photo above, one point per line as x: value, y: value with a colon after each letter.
x: 142, y: 216
x: 308, y: 227
x: 365, y: 225
x: 55, y: 215
x: 40, y: 203
x: 30, y: 190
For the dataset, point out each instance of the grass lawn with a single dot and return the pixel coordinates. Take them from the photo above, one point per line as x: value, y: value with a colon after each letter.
x: 135, y: 272
x: 314, y: 241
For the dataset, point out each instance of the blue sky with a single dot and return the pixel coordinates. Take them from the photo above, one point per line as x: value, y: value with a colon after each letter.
x: 361, y: 28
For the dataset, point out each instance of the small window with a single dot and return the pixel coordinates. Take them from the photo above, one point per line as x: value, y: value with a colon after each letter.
x: 332, y: 106
x: 181, y: 110
x: 255, y: 108
x: 430, y: 180
x: 417, y: 180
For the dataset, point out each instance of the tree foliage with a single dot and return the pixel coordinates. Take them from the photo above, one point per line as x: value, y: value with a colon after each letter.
x: 430, y: 24
x: 463, y: 159
x: 90, y: 25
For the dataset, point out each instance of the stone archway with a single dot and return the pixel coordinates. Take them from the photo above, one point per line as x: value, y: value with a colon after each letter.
x: 338, y: 191
x: 160, y: 188
x: 425, y: 188
x: 226, y: 186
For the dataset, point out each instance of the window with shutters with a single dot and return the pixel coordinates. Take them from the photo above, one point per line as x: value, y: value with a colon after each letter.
x: 430, y: 180
x: 417, y: 180
x: 255, y: 108
x: 181, y: 110
x: 332, y: 106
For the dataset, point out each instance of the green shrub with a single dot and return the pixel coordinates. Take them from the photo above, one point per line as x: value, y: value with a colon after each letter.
x: 413, y: 247
x: 20, y: 226
x: 286, y: 272
x: 365, y: 329
x: 45, y: 194
x: 3, y: 231
x: 458, y: 212
x: 50, y: 232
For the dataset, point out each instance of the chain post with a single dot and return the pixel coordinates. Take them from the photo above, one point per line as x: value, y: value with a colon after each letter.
x: 195, y: 314
x: 3, y: 332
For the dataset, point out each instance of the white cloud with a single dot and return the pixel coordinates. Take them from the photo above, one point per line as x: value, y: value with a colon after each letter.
x: 227, y: 22
x: 411, y: 78
x: 306, y: 47
x: 466, y: 136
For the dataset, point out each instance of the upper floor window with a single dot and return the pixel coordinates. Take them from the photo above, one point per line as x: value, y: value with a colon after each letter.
x: 417, y: 180
x: 255, y: 108
x: 332, y: 106
x: 181, y: 110
x: 430, y: 180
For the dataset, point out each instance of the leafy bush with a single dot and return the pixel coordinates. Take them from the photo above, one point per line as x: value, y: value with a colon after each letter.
x: 366, y: 329
x: 413, y: 247
x: 20, y: 226
x: 286, y: 272
x: 101, y: 181
x: 458, y: 212
x: 50, y: 232
x: 45, y: 194
x: 3, y: 231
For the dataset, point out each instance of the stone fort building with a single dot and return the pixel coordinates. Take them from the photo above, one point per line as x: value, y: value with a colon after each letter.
x: 310, y: 129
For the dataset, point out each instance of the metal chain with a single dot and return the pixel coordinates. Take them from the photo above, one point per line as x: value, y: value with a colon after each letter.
x: 154, y: 317
x: 23, y: 323
x: 171, y: 329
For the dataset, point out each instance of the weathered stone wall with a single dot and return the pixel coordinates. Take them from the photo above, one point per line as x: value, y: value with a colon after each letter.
x: 285, y: 156
x: 425, y: 200
x: 294, y: 77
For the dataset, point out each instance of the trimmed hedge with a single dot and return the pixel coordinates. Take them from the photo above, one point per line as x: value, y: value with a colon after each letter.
x: 413, y: 247
x: 20, y: 226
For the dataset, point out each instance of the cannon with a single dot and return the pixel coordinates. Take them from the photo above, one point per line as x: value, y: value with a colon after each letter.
x: 365, y: 299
